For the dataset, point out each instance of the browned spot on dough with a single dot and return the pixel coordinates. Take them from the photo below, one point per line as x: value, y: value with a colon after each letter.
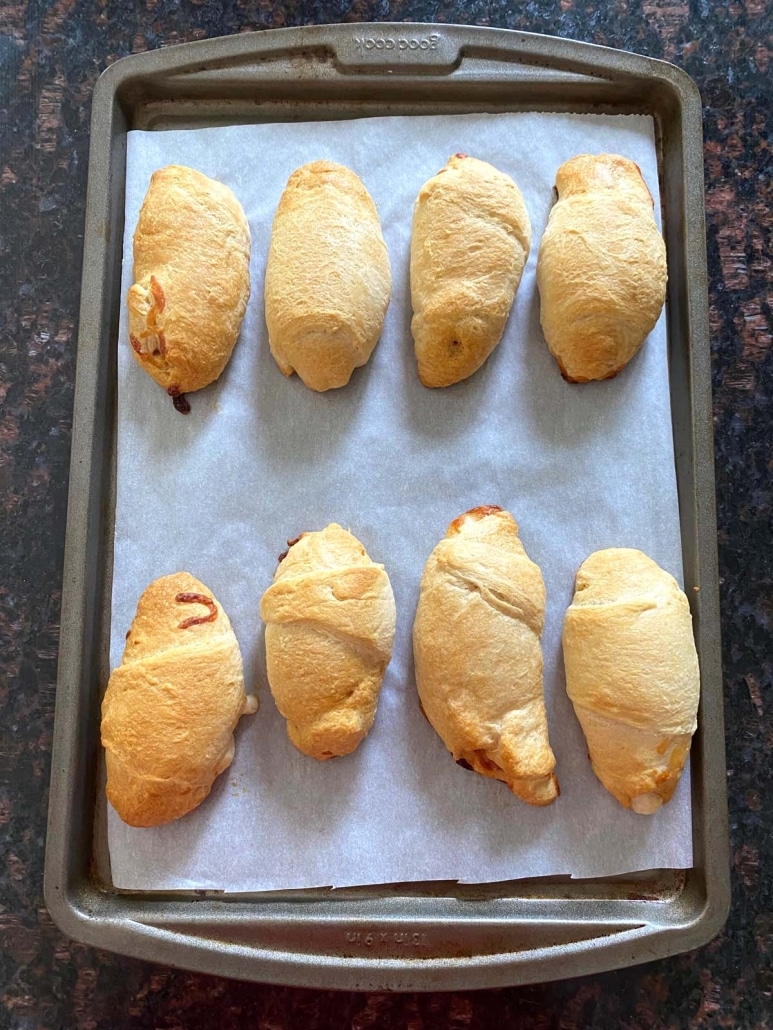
x: 193, y: 598
x: 586, y: 379
x: 179, y: 400
x: 476, y: 514
x: 487, y: 763
x: 158, y: 293
x: 290, y: 543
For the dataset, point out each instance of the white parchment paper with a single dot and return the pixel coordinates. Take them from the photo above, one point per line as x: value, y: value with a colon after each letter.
x: 261, y: 458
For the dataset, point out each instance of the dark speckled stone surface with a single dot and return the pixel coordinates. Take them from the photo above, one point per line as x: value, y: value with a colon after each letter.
x: 50, y: 56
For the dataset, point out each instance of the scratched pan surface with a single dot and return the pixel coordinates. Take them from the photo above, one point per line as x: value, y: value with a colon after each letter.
x: 413, y: 936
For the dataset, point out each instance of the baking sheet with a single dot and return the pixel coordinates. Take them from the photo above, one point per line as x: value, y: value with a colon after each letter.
x: 261, y: 459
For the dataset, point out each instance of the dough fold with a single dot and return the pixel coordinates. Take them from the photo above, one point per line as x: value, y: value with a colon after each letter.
x: 171, y: 706
x: 328, y: 279
x: 470, y: 241
x: 601, y: 269
x: 632, y: 674
x: 478, y: 656
x: 330, y: 625
x: 191, y: 279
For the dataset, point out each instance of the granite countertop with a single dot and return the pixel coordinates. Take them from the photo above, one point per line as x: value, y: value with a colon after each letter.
x: 51, y: 53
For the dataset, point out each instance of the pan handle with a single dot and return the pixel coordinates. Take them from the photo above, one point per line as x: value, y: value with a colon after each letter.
x: 410, y: 48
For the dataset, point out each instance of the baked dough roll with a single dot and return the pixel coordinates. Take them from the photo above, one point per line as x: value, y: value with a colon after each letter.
x: 601, y: 270
x: 170, y: 708
x: 632, y: 675
x: 191, y: 280
x: 471, y: 238
x: 476, y: 645
x: 328, y: 278
x: 330, y: 624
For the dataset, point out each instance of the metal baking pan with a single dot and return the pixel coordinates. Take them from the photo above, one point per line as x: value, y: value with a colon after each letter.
x: 411, y: 936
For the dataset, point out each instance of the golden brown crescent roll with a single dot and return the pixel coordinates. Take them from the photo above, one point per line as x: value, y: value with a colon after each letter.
x: 171, y: 706
x: 632, y: 674
x: 476, y: 645
x: 191, y: 280
x: 330, y: 624
x: 601, y: 270
x: 471, y: 238
x: 328, y: 278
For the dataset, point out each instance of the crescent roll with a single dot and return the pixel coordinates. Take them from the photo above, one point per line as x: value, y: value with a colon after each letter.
x: 478, y: 656
x: 632, y: 675
x: 191, y: 280
x: 471, y: 238
x: 328, y: 278
x: 601, y: 270
x: 170, y: 708
x: 330, y: 624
